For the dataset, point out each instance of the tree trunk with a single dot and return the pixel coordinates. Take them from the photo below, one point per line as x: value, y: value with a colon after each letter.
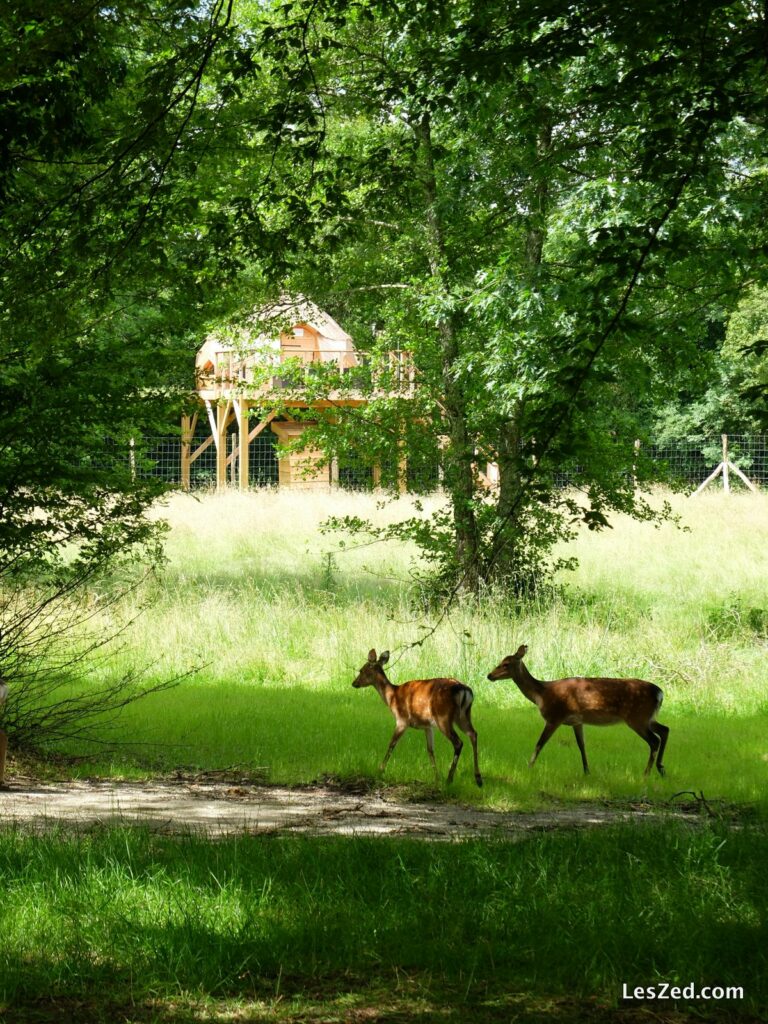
x: 508, y: 562
x: 505, y: 554
x: 459, y: 454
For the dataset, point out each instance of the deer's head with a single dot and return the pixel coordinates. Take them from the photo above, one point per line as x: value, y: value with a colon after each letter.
x: 507, y: 667
x: 372, y: 671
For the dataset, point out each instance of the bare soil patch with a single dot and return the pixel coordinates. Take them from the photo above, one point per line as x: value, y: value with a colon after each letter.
x: 218, y: 809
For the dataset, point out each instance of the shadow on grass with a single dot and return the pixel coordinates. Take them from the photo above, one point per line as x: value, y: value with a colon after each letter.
x: 323, y: 1002
x: 128, y: 926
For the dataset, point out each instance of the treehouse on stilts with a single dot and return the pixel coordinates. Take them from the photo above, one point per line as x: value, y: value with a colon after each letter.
x: 241, y: 392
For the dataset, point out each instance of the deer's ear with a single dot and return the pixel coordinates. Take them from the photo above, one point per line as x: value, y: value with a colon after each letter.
x: 384, y: 657
x: 372, y: 655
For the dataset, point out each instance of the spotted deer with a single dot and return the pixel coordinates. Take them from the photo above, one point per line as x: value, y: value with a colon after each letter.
x: 423, y: 704
x: 579, y: 701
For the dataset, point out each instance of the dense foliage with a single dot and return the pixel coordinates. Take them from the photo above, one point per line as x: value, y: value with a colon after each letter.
x: 103, y: 248
x: 98, y: 262
x: 544, y: 203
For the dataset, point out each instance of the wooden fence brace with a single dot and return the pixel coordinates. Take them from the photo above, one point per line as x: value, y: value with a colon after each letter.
x: 705, y: 483
x: 726, y: 467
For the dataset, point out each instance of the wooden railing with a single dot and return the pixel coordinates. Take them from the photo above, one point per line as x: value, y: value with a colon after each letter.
x: 233, y: 371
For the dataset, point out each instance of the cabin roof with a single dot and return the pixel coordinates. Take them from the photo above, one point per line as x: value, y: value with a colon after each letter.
x: 291, y: 312
x: 266, y: 324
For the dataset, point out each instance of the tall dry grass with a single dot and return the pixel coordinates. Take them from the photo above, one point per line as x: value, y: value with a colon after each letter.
x: 256, y: 590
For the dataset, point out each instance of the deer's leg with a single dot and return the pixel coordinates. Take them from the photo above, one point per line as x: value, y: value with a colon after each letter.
x: 399, y: 730
x: 578, y: 732
x: 662, y: 731
x: 654, y: 743
x: 3, y: 752
x: 651, y: 739
x: 450, y: 733
x: 466, y: 725
x: 431, y: 746
x: 549, y: 728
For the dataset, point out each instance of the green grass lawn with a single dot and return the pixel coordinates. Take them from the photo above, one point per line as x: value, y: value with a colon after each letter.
x: 131, y: 927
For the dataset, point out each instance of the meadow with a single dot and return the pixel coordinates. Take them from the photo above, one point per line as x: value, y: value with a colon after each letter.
x: 279, y: 620
x: 275, y: 619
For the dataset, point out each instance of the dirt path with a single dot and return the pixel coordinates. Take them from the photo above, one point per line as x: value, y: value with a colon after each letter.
x: 219, y: 809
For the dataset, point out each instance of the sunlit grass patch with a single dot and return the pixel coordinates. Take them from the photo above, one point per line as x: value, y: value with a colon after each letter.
x: 126, y: 916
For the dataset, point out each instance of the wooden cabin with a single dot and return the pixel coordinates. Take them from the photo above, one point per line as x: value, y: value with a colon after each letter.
x: 233, y: 388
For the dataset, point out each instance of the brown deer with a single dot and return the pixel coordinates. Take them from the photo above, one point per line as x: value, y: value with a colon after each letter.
x: 423, y: 704
x: 579, y: 701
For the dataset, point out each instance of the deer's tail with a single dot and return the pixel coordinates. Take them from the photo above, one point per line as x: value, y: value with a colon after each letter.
x: 463, y: 697
x: 659, y: 694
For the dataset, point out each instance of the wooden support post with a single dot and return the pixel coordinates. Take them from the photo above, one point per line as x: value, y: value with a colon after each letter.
x: 221, y: 446
x: 376, y: 474
x: 244, y: 444
x: 726, y: 481
x: 132, y: 458
x: 185, y: 453
x: 212, y: 422
x: 188, y: 424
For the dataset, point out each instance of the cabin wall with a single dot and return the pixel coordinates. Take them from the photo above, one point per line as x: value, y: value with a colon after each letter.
x: 299, y: 469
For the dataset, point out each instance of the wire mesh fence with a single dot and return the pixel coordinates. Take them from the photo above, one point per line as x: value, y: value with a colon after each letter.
x: 685, y: 462
x: 693, y: 461
x: 262, y: 459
